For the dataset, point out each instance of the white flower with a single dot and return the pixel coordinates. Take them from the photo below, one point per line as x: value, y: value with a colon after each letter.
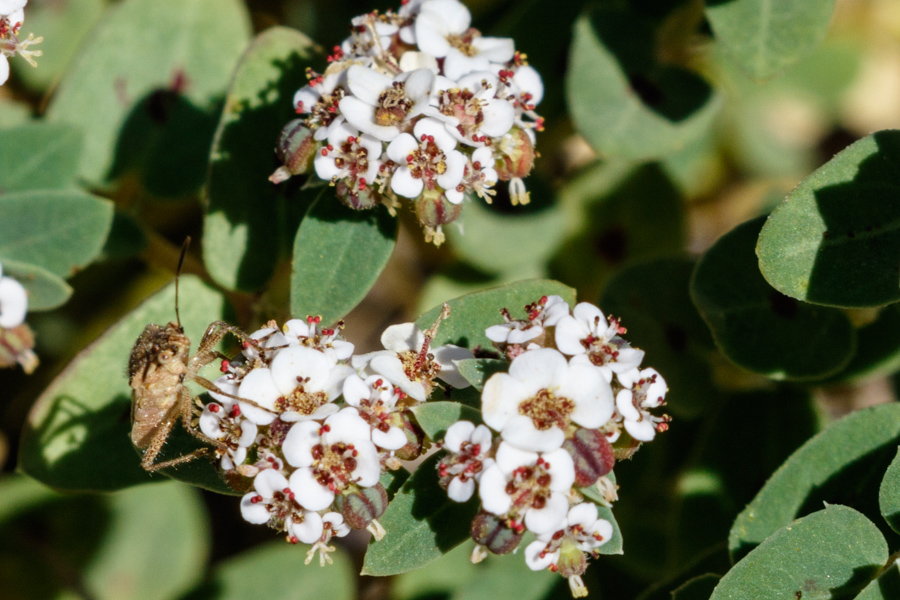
x: 427, y: 160
x: 376, y: 400
x: 13, y: 297
x: 371, y: 35
x: 380, y: 106
x: 320, y: 99
x: 349, y: 156
x: 588, y: 332
x: 474, y: 113
x: 331, y: 457
x: 546, y: 312
x: 306, y: 333
x: 468, y: 448
x: 582, y: 528
x: 528, y: 488
x: 228, y: 426
x: 647, y: 392
x: 533, y: 405
x: 262, y: 342
x: 275, y: 503
x: 524, y: 89
x: 8, y: 7
x: 411, y: 364
x: 442, y: 30
x: 301, y: 384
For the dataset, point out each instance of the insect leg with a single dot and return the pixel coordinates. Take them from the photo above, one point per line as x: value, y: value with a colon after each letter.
x: 187, y: 402
x: 209, y: 385
x: 156, y: 444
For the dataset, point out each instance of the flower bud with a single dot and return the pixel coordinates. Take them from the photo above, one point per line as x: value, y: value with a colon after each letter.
x: 571, y: 560
x: 361, y: 506
x: 414, y: 435
x: 515, y: 155
x: 592, y: 455
x: 296, y: 149
x: 493, y: 533
x: 434, y: 210
x: 357, y: 200
x: 16, y: 346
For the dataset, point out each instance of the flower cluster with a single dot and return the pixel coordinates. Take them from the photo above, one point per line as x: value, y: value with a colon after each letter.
x: 12, y: 15
x: 417, y: 104
x: 574, y: 400
x: 16, y: 338
x: 306, y: 428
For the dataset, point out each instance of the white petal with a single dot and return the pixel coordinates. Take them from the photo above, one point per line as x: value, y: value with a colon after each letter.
x: 605, y: 529
x: 643, y: 431
x: 533, y: 556
x: 248, y: 433
x: 584, y: 514
x: 341, y: 349
x: 13, y: 302
x: 362, y: 116
x: 299, y: 442
x: 446, y: 357
x: 520, y: 336
x: 500, y: 399
x: 539, y: 368
x: 373, y: 146
x: 355, y: 389
x: 338, y: 526
x: 297, y: 328
x: 269, y: 481
x: 591, y: 393
x: 589, y: 314
x: 401, y: 147
x: 483, y: 437
x: 498, y: 333
x: 529, y: 80
x: 569, y: 333
x: 419, y: 85
x: 521, y: 432
x: 310, y: 529
x: 498, y: 50
x: 226, y: 383
x: 258, y: 386
x: 459, y: 490
x: 368, y: 465
x: 458, y: 433
x: 499, y: 116
x: 391, y: 367
x: 456, y: 166
x: 326, y: 167
x: 392, y: 439
x: 404, y: 184
x: 561, y: 469
x: 628, y: 359
x: 457, y: 64
x: 492, y: 491
x: 305, y: 98
x: 510, y: 458
x: 453, y: 14
x: 209, y: 421
x: 412, y: 60
x: 547, y: 519
x: 434, y: 128
x: 625, y: 404
x: 309, y: 492
x: 402, y: 338
x: 430, y: 36
x: 300, y: 363
x: 367, y: 84
x: 254, y: 512
x: 346, y: 426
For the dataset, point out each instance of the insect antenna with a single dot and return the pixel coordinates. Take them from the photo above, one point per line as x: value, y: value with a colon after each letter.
x: 184, y: 248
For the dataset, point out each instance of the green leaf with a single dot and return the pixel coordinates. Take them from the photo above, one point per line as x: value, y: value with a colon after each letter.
x: 889, y: 494
x: 241, y: 238
x: 844, y: 462
x: 64, y: 26
x: 757, y: 327
x: 153, y: 530
x: 276, y: 570
x: 145, y: 86
x: 60, y: 231
x: 827, y: 554
x: 46, y: 291
x: 338, y: 254
x: 877, y: 347
x: 77, y: 435
x: 621, y: 100
x: 698, y: 588
x: 653, y: 301
x: 641, y: 217
x: 471, y: 314
x: 478, y: 370
x: 111, y: 547
x: 886, y: 587
x: 422, y: 525
x: 435, y: 417
x: 38, y: 156
x: 766, y: 36
x: 836, y: 238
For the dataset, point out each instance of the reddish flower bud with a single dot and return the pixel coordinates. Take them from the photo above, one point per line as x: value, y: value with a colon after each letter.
x: 434, y: 210
x: 515, y: 155
x: 592, y: 455
x: 357, y: 199
x: 361, y: 506
x: 296, y: 149
x: 494, y: 534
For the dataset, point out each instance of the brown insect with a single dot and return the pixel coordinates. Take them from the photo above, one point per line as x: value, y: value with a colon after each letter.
x: 158, y: 369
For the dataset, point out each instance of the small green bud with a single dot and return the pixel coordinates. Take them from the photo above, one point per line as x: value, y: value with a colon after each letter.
x: 361, y: 506
x: 296, y: 149
x: 515, y: 155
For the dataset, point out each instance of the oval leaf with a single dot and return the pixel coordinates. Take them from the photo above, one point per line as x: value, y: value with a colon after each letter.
x: 60, y: 231
x: 436, y: 417
x: 828, y: 553
x: 241, y: 240
x: 766, y: 36
x: 886, y: 587
x: 38, y: 156
x: 877, y: 347
x: 338, y: 254
x: 77, y: 436
x: 422, y: 525
x: 837, y: 464
x: 623, y: 103
x: 471, y: 314
x: 478, y: 370
x: 45, y: 290
x: 276, y: 570
x: 759, y: 328
x: 144, y: 88
x: 889, y: 494
x: 836, y: 237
